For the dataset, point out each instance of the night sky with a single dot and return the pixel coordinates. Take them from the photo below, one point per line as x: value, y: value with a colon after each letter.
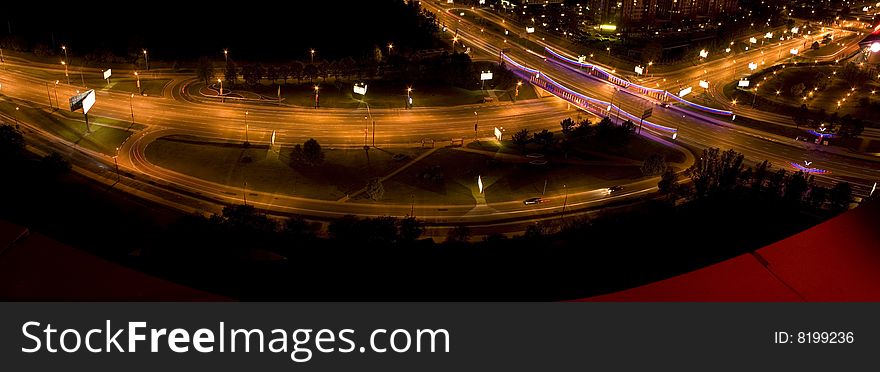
x: 257, y: 30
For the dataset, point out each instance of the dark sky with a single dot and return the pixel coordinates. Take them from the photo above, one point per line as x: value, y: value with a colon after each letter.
x: 251, y: 30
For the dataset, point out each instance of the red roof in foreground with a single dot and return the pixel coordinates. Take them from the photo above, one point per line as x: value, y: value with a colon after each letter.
x: 837, y: 260
x: 34, y: 267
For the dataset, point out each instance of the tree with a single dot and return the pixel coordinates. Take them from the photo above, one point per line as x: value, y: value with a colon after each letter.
x: 655, y: 164
x: 311, y: 72
x: 667, y: 184
x: 12, y: 143
x: 410, y: 229
x: 284, y: 73
x: 231, y: 73
x: 296, y: 71
x: 272, y: 74
x: 818, y: 196
x: 312, y: 153
x: 568, y: 126
x: 840, y: 196
x: 347, y: 66
x: 545, y: 138
x: 458, y: 234
x: 205, y: 70
x: 375, y: 190
x: 521, y: 138
x: 323, y: 70
x: 796, y: 187
x: 54, y: 165
x: 251, y: 74
x: 716, y: 171
x: 802, y: 117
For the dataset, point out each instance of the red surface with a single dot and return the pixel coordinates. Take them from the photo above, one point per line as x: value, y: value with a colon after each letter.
x: 838, y: 260
x: 39, y: 268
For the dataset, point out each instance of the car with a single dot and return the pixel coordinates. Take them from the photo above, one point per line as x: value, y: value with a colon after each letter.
x: 615, y: 188
x: 531, y: 201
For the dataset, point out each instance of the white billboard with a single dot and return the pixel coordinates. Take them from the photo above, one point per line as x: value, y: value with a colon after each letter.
x: 768, y: 35
x: 794, y: 51
x: 582, y: 59
x: 684, y: 92
x: 744, y: 83
x: 497, y: 133
x: 704, y: 84
x: 486, y: 75
x: 704, y: 53
x: 360, y: 89
x: 795, y: 30
x: 107, y: 74
x: 89, y: 101
x: 639, y: 70
x: 753, y: 40
x: 530, y: 30
x: 753, y: 65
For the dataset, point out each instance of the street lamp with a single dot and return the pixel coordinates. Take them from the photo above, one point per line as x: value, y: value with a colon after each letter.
x: 115, y: 161
x: 518, y: 84
x: 56, y: 93
x: 246, y: 128
x: 66, y: 59
x: 390, y: 45
x: 316, y: 96
x: 65, y: 72
x: 221, y: 87
x: 312, y: 51
x: 138, y: 76
x: 130, y: 106
x: 409, y: 97
x: 147, y: 59
x: 226, y: 56
x: 476, y: 123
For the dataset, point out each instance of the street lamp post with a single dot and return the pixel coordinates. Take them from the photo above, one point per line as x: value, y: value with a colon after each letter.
x: 147, y: 59
x: 66, y: 59
x: 516, y: 96
x: 316, y: 96
x: 246, y: 129
x: 56, y: 94
x: 312, y: 51
x: 49, y: 95
x: 131, y: 107
x: 409, y: 98
x: 226, y: 56
x: 390, y: 45
x: 564, y: 201
x: 17, y: 123
x: 65, y: 72
x: 366, y: 123
x: 476, y: 123
x: 116, y: 162
x: 138, y: 76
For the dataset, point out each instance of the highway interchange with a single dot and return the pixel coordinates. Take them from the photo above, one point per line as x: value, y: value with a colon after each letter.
x: 178, y: 113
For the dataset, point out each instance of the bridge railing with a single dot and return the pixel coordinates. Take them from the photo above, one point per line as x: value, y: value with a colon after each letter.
x: 589, y: 104
x: 655, y: 93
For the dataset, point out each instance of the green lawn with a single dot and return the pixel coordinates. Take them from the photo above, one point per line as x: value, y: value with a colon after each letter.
x: 450, y: 176
x: 105, y: 137
x: 344, y: 170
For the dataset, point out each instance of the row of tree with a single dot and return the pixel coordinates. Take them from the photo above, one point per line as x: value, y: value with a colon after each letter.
x: 456, y: 69
x: 724, y: 173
